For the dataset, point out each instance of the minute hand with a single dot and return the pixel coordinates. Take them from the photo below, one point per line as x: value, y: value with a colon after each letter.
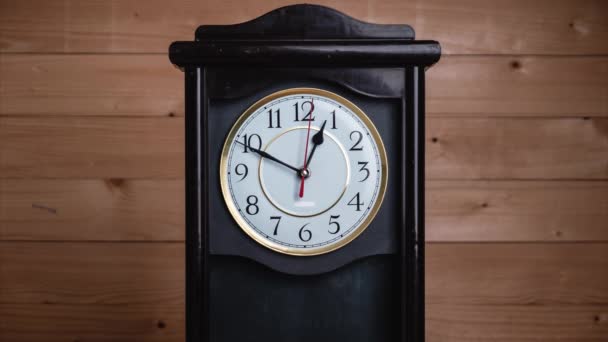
x: 270, y: 157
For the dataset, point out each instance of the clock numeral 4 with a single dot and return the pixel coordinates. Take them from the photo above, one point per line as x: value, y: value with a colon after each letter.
x: 358, y: 138
x: 335, y: 223
x: 305, y: 234
x: 308, y: 116
x: 252, y: 205
x: 357, y: 202
x: 247, y: 141
x: 271, y: 120
x: 276, y: 227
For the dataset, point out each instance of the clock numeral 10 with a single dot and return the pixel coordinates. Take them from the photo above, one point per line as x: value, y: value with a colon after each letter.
x: 357, y: 202
x: 247, y: 142
x: 308, y: 116
x: 270, y: 118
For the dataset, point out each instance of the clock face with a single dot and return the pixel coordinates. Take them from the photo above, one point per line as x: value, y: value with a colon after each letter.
x: 303, y: 171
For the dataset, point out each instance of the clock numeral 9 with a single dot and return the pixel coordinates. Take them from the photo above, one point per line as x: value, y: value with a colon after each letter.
x: 308, y: 116
x: 335, y: 223
x: 270, y: 120
x: 358, y: 137
x: 242, y: 173
x: 362, y: 169
x: 357, y: 202
x: 305, y: 234
x: 247, y: 142
x: 276, y: 228
x: 252, y: 205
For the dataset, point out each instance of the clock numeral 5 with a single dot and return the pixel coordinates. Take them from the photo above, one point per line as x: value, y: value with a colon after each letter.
x: 305, y: 234
x: 270, y: 120
x: 358, y: 137
x: 357, y: 201
x: 252, y: 205
x: 247, y: 142
x: 335, y: 223
x: 276, y: 228
x: 308, y: 116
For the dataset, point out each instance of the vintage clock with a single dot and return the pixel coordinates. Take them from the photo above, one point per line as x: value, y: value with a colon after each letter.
x: 304, y: 179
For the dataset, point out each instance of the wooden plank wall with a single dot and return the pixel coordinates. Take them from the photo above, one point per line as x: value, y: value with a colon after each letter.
x: 91, y: 166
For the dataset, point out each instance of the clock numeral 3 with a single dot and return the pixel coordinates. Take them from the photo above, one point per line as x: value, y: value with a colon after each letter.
x: 247, y: 139
x: 308, y: 116
x: 362, y: 169
x: 335, y: 223
x: 241, y: 173
x: 357, y: 201
x: 276, y: 227
x: 270, y: 120
x: 305, y: 234
x: 252, y: 205
x: 358, y: 137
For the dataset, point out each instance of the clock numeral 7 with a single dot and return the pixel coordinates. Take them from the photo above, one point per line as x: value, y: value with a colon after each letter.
x: 357, y: 201
x: 270, y: 120
x: 335, y: 223
x: 308, y: 116
x: 247, y: 142
x: 276, y: 227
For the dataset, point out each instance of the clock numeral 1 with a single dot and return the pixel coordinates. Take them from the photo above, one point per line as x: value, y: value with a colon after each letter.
x: 333, y: 119
x: 308, y: 116
x: 357, y: 201
x: 358, y: 137
x: 305, y: 234
x: 276, y: 228
x: 247, y: 142
x: 335, y: 223
x: 364, y: 169
x: 252, y: 205
x: 270, y: 120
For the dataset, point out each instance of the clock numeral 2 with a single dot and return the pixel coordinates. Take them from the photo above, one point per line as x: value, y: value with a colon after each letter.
x: 308, y: 116
x: 357, y: 201
x: 247, y: 142
x: 335, y: 223
x: 270, y: 118
x: 276, y: 228
x: 252, y: 205
x: 305, y: 232
x: 359, y: 137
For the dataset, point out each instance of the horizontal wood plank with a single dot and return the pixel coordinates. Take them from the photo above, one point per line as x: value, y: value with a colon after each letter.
x: 472, y: 26
x: 524, y: 292
x: 95, y: 147
x: 153, y: 210
x: 147, y: 85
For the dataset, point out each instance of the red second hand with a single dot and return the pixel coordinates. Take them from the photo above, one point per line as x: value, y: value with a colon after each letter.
x: 306, y: 149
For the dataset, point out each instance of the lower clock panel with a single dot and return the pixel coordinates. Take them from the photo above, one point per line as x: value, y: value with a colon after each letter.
x: 251, y: 302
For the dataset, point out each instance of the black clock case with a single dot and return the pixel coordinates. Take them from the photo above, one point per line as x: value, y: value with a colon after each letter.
x: 371, y: 289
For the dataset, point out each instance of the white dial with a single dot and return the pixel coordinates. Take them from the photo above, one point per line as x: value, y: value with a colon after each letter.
x: 303, y: 171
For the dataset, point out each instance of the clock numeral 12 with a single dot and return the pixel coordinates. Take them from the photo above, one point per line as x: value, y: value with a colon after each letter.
x: 270, y: 120
x: 307, y: 117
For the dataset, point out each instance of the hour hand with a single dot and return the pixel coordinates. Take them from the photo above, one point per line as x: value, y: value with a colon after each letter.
x: 317, y: 140
x: 266, y: 155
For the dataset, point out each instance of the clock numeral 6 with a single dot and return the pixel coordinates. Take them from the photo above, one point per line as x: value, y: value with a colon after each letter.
x: 335, y: 223
x: 308, y: 116
x: 247, y: 139
x: 276, y: 228
x: 358, y: 137
x: 252, y: 205
x: 244, y: 171
x: 305, y: 234
x: 357, y: 201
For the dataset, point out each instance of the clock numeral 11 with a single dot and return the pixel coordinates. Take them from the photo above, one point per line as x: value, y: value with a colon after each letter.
x: 270, y: 118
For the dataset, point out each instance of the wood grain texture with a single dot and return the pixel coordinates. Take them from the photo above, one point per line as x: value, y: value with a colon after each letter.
x: 490, y: 292
x: 147, y: 85
x: 153, y: 210
x: 464, y: 148
x: 473, y: 26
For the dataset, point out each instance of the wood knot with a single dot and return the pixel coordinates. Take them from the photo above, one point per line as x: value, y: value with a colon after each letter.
x: 434, y: 140
x: 557, y: 233
x: 161, y: 324
x: 171, y: 114
x: 485, y: 205
x: 115, y: 183
x: 516, y: 65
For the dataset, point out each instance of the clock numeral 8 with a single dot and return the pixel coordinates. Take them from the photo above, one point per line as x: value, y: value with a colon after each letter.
x: 252, y: 205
